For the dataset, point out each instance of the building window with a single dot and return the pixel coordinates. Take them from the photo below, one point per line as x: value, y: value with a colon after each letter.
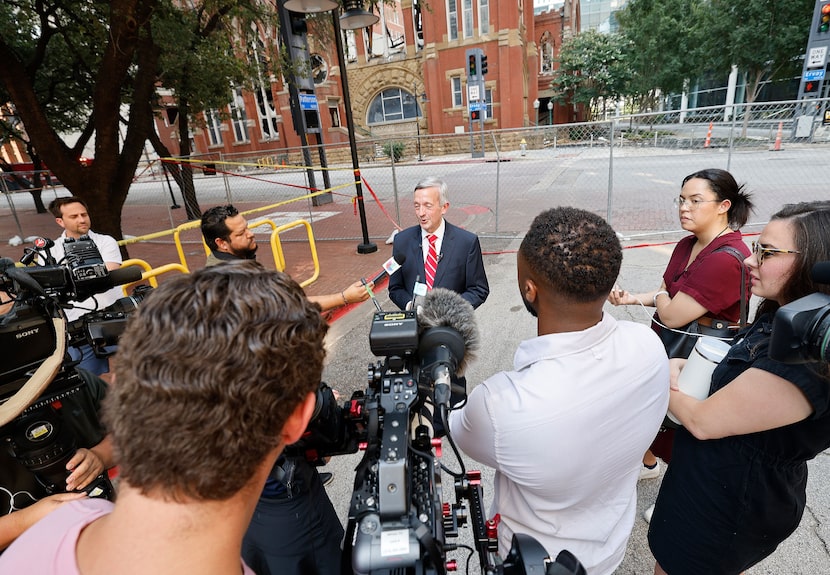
x: 468, y: 18
x: 483, y: 16
x: 239, y: 120
x: 457, y: 96
x: 349, y: 45
x: 392, y: 105
x: 213, y: 127
x: 488, y: 99
x: 452, y: 19
x: 546, y: 53
x: 334, y: 112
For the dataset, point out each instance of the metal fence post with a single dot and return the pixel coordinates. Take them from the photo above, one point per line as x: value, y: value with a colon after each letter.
x: 610, y: 172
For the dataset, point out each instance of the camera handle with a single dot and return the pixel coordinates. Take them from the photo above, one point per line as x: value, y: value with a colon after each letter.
x: 40, y: 379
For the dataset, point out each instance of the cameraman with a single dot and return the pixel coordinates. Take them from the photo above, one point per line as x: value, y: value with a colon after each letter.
x: 295, y: 529
x: 216, y: 374
x: 23, y: 500
x: 72, y: 215
x: 567, y: 429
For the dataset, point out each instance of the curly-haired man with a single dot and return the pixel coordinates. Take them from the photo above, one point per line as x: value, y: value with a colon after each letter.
x: 564, y: 429
x: 216, y: 373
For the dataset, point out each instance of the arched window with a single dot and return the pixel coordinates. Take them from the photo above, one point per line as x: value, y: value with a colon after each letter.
x: 393, y: 105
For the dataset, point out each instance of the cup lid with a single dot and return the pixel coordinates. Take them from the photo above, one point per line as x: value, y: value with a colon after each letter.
x: 712, y: 348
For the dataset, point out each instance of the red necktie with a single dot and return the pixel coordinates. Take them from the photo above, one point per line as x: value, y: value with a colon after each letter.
x: 431, y: 263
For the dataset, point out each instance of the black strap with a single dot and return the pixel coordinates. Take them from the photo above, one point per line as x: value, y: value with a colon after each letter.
x: 734, y: 252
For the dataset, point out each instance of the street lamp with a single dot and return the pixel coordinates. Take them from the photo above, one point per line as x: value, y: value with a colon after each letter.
x: 550, y: 113
x: 536, y: 111
x: 354, y: 17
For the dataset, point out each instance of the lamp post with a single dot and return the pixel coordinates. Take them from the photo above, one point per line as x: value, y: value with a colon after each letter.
x: 536, y: 111
x: 550, y: 113
x: 354, y: 17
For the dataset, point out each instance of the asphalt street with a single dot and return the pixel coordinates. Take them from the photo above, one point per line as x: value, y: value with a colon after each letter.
x: 503, y: 323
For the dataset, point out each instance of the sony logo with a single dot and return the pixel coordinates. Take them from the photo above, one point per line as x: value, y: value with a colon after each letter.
x: 27, y: 333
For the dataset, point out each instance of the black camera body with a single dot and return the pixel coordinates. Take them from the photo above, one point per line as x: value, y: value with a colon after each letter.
x: 37, y: 432
x: 801, y: 329
x: 397, y: 520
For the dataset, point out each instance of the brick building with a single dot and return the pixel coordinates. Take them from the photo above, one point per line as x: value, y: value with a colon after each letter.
x: 407, y: 73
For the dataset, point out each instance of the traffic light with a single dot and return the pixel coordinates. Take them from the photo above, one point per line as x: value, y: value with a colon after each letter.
x: 472, y: 67
x: 475, y: 114
x: 811, y: 86
x: 483, y: 66
x: 824, y: 19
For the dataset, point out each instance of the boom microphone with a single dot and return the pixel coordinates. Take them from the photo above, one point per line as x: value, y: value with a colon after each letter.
x: 443, y: 313
x: 127, y: 275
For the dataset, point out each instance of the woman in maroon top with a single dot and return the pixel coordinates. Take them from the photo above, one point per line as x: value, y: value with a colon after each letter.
x: 702, y: 280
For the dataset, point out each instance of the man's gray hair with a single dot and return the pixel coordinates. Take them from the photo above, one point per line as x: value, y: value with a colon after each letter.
x: 433, y: 182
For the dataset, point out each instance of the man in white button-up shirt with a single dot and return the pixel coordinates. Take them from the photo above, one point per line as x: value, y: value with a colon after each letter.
x: 566, y: 429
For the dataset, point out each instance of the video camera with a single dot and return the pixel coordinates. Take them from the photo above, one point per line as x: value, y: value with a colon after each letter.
x: 36, y: 376
x: 397, y: 521
x: 801, y: 329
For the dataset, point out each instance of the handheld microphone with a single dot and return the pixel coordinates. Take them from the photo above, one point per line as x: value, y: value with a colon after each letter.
x: 390, y: 266
x: 371, y: 294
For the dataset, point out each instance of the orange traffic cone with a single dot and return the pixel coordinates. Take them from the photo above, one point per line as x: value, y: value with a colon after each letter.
x: 777, y: 146
x: 708, y: 136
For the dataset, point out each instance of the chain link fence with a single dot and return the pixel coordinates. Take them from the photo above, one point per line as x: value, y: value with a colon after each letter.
x: 626, y: 168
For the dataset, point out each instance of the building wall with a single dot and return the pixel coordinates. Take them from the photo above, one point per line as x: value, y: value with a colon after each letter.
x: 425, y: 70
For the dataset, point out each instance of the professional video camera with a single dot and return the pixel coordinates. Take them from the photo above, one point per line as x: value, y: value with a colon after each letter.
x: 801, y: 329
x: 36, y: 376
x: 397, y: 521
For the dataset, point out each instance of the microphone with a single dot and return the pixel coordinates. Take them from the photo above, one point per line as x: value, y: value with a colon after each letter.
x: 127, y: 275
x: 449, y: 333
x: 390, y: 266
x: 821, y: 272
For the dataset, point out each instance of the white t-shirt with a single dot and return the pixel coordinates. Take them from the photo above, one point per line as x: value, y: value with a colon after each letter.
x: 110, y: 254
x: 566, y: 432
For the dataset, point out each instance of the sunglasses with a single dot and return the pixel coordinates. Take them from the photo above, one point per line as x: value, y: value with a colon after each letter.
x: 762, y: 253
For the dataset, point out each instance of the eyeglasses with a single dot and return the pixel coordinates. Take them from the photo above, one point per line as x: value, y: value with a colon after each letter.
x: 693, y: 204
x: 762, y: 253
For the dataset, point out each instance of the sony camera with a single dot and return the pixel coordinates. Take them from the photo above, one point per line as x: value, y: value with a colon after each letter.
x: 37, y: 380
x: 397, y: 520
x: 801, y: 329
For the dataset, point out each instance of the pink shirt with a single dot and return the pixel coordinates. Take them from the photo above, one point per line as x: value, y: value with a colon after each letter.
x: 48, y: 547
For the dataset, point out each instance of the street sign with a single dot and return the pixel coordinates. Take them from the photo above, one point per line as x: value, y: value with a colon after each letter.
x: 816, y: 57
x: 478, y: 106
x: 813, y: 75
x: 308, y: 101
x: 473, y: 92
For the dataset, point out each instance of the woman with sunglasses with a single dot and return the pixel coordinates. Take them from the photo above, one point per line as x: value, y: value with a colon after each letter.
x: 736, y: 485
x: 702, y: 280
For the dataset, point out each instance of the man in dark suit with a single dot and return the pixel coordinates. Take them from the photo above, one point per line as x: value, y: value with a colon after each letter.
x: 438, y: 253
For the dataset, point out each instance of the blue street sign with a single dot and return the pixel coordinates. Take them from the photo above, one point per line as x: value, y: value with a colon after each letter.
x: 478, y: 106
x: 814, y: 75
x: 308, y: 101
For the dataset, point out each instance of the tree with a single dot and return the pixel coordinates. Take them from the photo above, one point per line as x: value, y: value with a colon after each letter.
x: 763, y: 38
x: 593, y: 69
x: 73, y: 65
x: 93, y: 66
x: 665, y: 39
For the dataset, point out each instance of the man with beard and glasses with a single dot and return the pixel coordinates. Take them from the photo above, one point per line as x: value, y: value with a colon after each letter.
x: 295, y: 529
x: 566, y: 430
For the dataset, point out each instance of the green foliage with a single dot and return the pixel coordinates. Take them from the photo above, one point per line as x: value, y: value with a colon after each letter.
x: 665, y: 37
x: 593, y: 69
x: 394, y: 150
x: 763, y: 38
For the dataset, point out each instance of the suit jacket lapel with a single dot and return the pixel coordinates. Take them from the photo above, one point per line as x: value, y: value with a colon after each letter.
x: 445, y: 257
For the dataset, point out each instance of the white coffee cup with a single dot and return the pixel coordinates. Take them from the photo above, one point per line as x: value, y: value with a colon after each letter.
x: 696, y: 376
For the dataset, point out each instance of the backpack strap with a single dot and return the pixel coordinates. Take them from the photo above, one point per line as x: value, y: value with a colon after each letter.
x: 734, y: 252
